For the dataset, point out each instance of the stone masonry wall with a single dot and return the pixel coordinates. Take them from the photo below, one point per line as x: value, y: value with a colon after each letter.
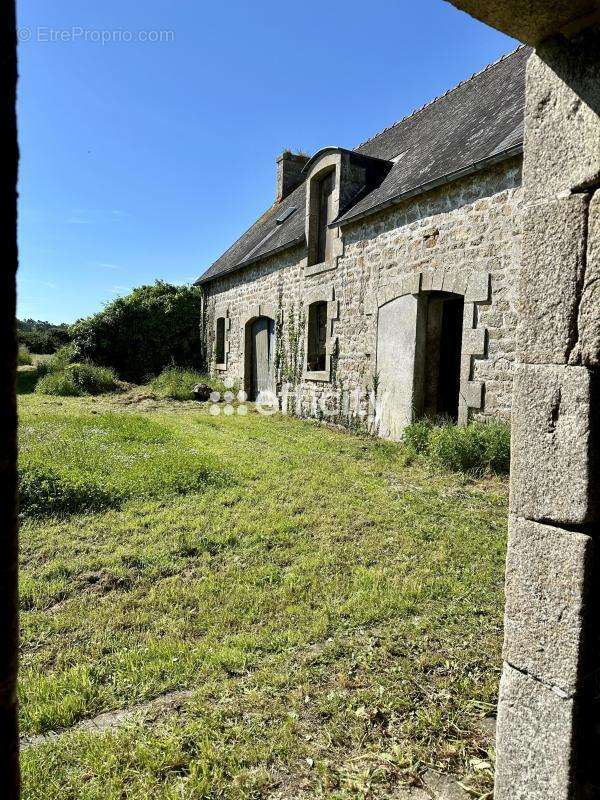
x: 463, y: 237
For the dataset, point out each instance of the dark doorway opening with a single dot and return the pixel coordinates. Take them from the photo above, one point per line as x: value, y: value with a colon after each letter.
x: 443, y: 354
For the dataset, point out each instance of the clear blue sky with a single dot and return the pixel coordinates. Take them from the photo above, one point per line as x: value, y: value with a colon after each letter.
x: 144, y: 160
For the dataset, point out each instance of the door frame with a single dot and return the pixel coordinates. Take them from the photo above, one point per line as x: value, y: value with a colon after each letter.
x: 250, y: 315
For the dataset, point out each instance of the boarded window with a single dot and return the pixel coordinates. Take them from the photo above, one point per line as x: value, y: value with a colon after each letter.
x: 324, y: 234
x: 317, y: 336
x: 220, y: 343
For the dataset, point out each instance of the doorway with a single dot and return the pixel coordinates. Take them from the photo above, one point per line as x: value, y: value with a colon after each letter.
x: 260, y: 336
x: 443, y: 347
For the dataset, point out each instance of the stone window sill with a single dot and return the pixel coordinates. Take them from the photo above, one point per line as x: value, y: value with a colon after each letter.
x: 317, y: 269
x: 221, y: 367
x: 321, y: 375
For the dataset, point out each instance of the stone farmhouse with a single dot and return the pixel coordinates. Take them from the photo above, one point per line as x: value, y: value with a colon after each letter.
x: 383, y: 280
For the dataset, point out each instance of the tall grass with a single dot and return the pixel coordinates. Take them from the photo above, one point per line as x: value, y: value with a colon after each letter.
x: 61, y: 376
x: 178, y: 384
x: 477, y: 448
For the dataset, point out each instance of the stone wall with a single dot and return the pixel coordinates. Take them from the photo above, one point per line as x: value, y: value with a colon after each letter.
x: 464, y: 237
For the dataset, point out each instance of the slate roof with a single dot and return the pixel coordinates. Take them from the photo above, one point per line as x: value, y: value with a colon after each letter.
x: 476, y: 122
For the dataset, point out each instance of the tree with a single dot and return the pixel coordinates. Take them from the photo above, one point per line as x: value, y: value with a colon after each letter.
x: 141, y: 334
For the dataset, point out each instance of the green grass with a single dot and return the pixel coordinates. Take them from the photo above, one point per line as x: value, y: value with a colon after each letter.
x: 335, y: 610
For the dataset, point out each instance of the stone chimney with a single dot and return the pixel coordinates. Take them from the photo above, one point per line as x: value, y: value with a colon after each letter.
x: 289, y: 167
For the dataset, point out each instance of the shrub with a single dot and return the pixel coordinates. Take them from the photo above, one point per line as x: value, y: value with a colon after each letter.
x: 42, y: 491
x: 416, y: 436
x: 90, y: 379
x: 59, y: 361
x: 141, y: 334
x: 24, y: 356
x: 60, y: 384
x: 475, y: 448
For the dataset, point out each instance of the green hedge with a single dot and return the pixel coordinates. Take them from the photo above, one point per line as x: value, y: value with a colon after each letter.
x: 141, y: 334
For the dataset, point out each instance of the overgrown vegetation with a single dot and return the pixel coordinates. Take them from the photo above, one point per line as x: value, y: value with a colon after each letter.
x: 141, y: 334
x: 335, y: 611
x: 178, y: 384
x: 59, y: 376
x: 476, y: 448
x: 24, y: 356
x: 42, y: 337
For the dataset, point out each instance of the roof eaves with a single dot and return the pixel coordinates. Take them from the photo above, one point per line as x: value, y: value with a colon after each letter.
x: 477, y: 166
x: 248, y: 261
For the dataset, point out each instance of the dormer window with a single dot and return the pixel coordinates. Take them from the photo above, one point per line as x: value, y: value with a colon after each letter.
x: 325, y: 214
x: 335, y: 179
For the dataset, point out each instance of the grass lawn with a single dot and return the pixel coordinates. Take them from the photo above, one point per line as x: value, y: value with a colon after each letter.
x: 335, y: 611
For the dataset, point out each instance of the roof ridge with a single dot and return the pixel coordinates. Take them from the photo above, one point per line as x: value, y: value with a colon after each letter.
x: 416, y: 111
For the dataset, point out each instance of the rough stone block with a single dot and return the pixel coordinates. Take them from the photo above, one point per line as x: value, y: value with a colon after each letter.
x: 478, y: 288
x: 412, y: 283
x: 426, y: 281
x: 474, y: 394
x: 468, y: 316
x: 534, y: 740
x: 530, y: 21
x: 547, y: 571
x: 449, y: 281
x: 589, y: 308
x: 437, y: 280
x: 461, y: 280
x: 474, y: 341
x: 553, y: 470
x: 554, y: 234
x: 562, y: 127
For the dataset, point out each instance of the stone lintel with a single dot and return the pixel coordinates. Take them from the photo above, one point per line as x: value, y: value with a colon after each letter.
x: 562, y: 134
x: 529, y: 21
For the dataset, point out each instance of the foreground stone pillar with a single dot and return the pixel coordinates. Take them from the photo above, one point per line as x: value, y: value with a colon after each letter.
x: 9, y: 754
x: 547, y: 716
x: 548, y: 735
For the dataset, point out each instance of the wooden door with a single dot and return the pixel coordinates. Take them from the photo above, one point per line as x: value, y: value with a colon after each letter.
x: 262, y: 355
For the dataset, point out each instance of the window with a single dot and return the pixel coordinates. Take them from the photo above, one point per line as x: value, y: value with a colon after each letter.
x: 220, y: 341
x: 317, y: 336
x: 324, y: 234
